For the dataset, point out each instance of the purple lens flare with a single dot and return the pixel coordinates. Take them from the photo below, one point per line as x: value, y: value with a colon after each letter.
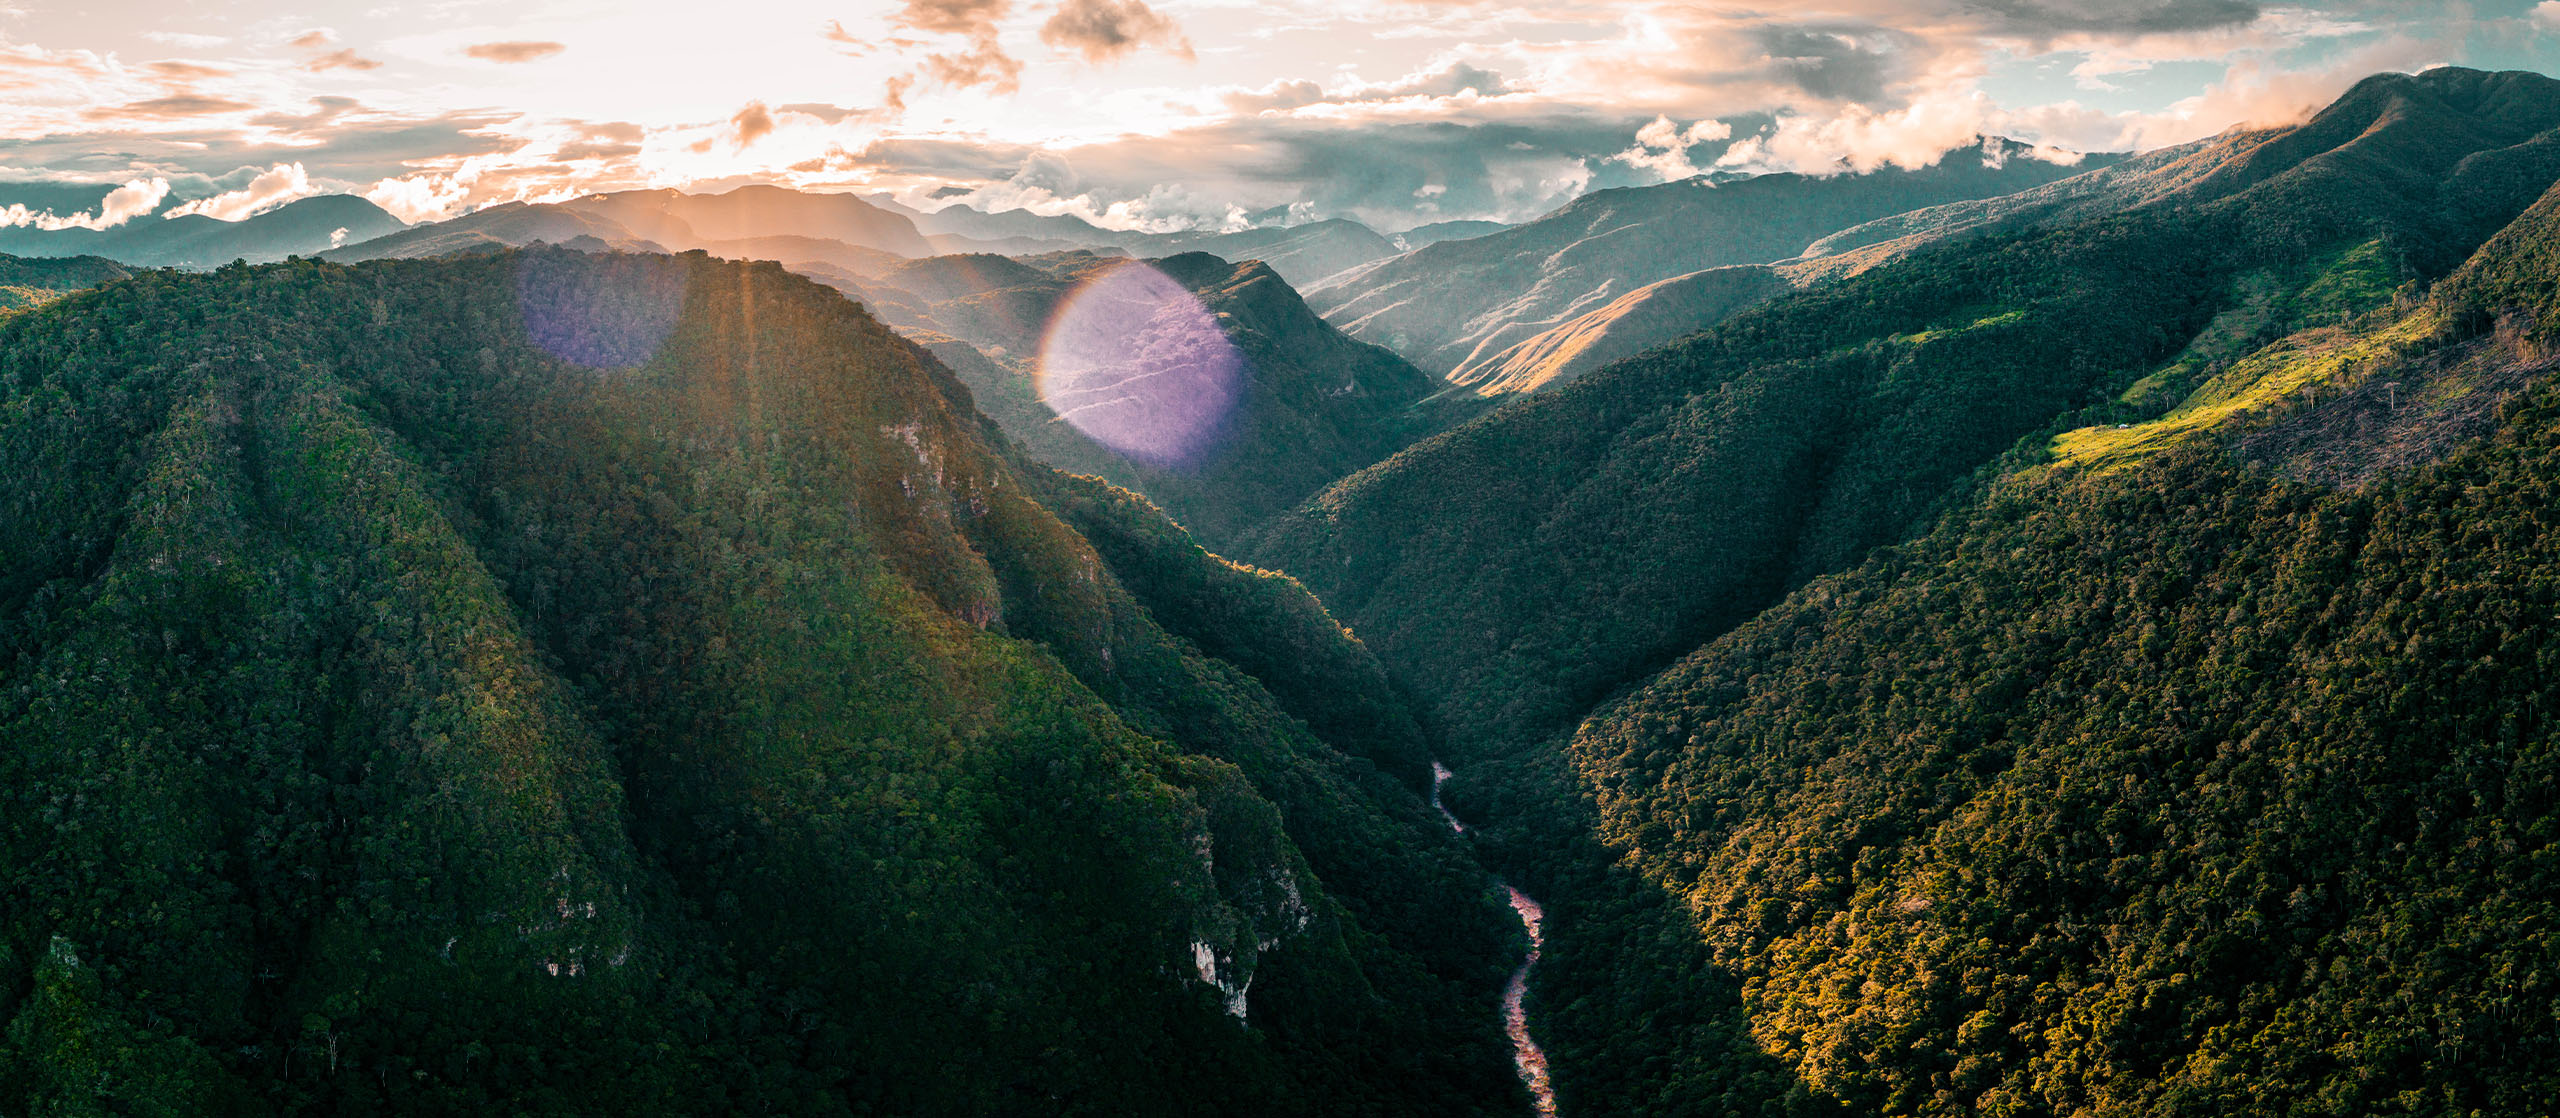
x: 606, y: 311
x: 1135, y: 362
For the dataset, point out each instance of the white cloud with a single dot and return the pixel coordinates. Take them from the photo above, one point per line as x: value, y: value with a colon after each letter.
x: 423, y: 197
x: 1661, y: 147
x: 276, y: 186
x: 2546, y: 15
x: 123, y: 204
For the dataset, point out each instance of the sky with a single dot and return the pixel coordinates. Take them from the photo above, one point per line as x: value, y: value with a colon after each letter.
x: 1143, y: 114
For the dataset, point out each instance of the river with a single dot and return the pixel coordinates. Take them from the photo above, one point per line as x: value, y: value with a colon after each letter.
x: 1525, y: 1053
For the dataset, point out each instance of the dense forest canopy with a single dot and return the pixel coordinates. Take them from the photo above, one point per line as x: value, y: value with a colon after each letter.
x: 635, y: 684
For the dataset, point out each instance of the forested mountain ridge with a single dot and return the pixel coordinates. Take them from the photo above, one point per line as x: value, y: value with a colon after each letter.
x: 25, y: 283
x: 1456, y: 306
x: 1518, y: 568
x: 643, y: 684
x: 2376, y: 132
x: 2194, y: 767
x: 1314, y: 405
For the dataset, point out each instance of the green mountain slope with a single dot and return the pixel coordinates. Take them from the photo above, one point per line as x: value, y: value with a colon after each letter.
x: 1628, y: 325
x: 637, y: 684
x: 1520, y: 567
x: 27, y: 283
x: 1314, y: 405
x: 2202, y: 767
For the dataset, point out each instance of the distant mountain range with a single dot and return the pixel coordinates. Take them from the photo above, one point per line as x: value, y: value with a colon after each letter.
x: 1460, y: 308
x: 1302, y: 254
x: 305, y: 227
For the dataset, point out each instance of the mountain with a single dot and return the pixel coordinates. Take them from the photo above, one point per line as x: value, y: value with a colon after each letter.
x: 304, y: 227
x: 1439, y: 231
x: 1628, y: 325
x: 27, y: 283
x: 1523, y: 565
x: 495, y: 228
x: 1558, y: 553
x: 1455, y: 307
x: 1064, y: 230
x: 644, y: 684
x: 1310, y: 405
x: 686, y: 221
x: 2203, y: 169
x: 1304, y: 255
x: 750, y: 223
x: 2197, y: 766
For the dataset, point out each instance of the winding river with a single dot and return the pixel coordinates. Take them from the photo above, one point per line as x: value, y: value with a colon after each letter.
x: 1525, y: 1053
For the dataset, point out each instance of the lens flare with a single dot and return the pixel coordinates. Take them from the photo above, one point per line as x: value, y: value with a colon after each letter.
x: 1133, y: 360
x: 607, y: 311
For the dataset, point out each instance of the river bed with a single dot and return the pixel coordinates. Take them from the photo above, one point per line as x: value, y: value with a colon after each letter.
x: 1530, y: 1059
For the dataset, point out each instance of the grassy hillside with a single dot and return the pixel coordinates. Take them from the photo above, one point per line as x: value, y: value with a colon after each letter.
x: 643, y: 685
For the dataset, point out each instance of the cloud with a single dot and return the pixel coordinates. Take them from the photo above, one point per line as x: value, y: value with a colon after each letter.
x: 1457, y: 79
x: 983, y: 62
x: 1106, y: 30
x: 186, y: 40
x: 319, y: 38
x: 176, y: 70
x: 2254, y: 94
x: 123, y: 204
x: 1661, y: 147
x: 346, y: 59
x: 2546, y: 15
x: 173, y: 107
x: 1392, y: 171
x: 2048, y: 17
x: 416, y: 198
x: 751, y: 123
x: 325, y: 110
x: 514, y: 50
x: 953, y: 17
x: 280, y: 184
